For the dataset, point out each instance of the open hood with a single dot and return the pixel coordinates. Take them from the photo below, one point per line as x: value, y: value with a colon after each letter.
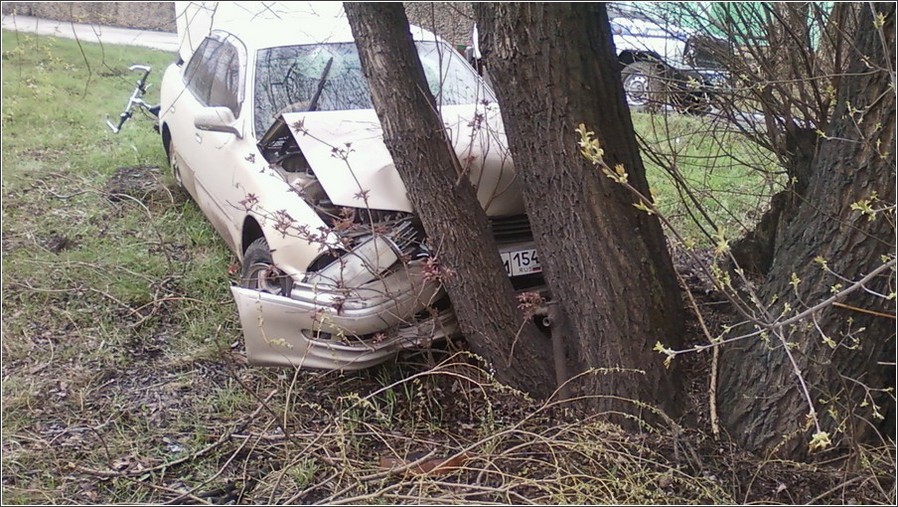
x: 346, y: 151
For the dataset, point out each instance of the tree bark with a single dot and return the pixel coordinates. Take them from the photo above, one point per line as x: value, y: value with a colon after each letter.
x: 790, y: 97
x: 481, y: 294
x: 761, y: 399
x: 606, y: 263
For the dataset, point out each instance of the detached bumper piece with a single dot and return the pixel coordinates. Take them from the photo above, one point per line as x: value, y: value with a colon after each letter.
x: 323, y: 327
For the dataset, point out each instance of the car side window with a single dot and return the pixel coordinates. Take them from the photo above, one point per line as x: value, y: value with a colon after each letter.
x: 194, y: 63
x: 198, y: 74
x: 213, y: 74
x: 225, y: 72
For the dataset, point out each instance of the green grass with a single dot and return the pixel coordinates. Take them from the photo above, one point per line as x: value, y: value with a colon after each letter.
x: 730, y: 177
x: 100, y: 297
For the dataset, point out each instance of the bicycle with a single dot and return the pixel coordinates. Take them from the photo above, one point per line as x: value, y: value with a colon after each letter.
x: 136, y: 99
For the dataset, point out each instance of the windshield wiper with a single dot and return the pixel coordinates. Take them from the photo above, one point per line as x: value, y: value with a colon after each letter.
x: 313, y: 104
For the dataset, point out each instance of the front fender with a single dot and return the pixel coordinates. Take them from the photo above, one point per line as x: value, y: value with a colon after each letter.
x: 295, y: 233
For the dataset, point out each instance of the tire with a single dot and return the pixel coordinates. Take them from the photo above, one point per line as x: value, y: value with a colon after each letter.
x: 176, y: 168
x: 259, y: 273
x: 644, y: 85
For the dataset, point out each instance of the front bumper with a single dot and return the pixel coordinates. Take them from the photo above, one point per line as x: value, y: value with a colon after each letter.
x: 323, y: 327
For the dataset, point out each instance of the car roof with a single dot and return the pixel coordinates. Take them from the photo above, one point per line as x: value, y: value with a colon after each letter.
x: 269, y: 24
x: 260, y: 34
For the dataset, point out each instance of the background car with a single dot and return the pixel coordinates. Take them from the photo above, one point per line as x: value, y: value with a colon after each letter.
x: 269, y: 127
x: 663, y: 64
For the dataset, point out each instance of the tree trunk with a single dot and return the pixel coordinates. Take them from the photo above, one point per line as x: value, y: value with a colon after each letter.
x: 605, y: 262
x: 839, y: 349
x: 789, y: 62
x: 481, y: 294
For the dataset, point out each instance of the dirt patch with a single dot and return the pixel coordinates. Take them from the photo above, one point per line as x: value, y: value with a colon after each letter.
x: 143, y: 183
x: 143, y: 422
x: 57, y: 243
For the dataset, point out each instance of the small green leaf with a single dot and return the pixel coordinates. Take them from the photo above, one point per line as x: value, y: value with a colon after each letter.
x: 722, y: 245
x: 642, y: 207
x: 820, y: 441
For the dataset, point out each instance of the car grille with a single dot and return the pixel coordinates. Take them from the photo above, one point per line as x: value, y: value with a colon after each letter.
x: 513, y: 229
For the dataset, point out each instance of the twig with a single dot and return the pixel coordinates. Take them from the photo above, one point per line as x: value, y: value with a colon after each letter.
x: 398, y: 470
x: 712, y: 381
x: 295, y: 498
x: 860, y: 283
x: 830, y: 491
x: 263, y: 404
x: 287, y: 397
x: 90, y: 71
x: 864, y: 310
x: 359, y: 499
x: 768, y: 326
x: 169, y: 490
x: 221, y: 469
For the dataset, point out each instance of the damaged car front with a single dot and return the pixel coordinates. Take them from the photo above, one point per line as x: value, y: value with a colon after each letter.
x: 287, y: 161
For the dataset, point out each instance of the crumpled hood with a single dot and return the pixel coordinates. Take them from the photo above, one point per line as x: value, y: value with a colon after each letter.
x: 346, y: 151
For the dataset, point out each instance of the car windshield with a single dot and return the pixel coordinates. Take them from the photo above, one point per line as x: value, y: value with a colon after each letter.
x: 289, y: 78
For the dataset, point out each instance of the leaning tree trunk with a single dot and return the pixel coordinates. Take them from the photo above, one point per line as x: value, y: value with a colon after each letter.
x: 840, y: 349
x: 481, y: 294
x: 605, y: 262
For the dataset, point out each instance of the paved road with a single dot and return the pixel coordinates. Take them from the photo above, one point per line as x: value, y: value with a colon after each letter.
x: 165, y: 41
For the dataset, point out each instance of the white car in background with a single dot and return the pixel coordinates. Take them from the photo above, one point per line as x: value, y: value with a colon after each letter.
x: 268, y: 125
x: 662, y: 63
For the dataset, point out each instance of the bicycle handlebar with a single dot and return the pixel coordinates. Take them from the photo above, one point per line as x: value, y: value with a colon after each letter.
x: 135, y: 99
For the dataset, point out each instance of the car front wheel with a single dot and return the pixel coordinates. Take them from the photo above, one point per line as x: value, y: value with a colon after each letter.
x: 259, y: 272
x: 643, y: 85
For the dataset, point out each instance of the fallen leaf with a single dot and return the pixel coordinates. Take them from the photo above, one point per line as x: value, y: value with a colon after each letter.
x: 437, y: 466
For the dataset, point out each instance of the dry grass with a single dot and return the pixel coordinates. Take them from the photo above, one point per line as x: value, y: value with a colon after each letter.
x: 124, y: 380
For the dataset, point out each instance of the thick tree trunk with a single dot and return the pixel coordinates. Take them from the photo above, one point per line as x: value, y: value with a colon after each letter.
x: 754, y: 251
x: 791, y: 100
x: 761, y: 399
x: 481, y: 293
x: 605, y: 262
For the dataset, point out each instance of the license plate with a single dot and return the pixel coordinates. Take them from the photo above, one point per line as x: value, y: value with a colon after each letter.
x: 521, y: 262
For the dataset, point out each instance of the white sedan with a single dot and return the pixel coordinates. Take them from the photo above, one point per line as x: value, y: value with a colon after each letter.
x: 269, y: 127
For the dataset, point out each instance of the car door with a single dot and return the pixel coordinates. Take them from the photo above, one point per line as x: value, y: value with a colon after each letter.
x: 215, y: 79
x: 189, y: 98
x: 226, y: 153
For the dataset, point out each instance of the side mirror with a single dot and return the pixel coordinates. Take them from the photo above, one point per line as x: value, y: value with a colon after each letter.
x: 217, y: 119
